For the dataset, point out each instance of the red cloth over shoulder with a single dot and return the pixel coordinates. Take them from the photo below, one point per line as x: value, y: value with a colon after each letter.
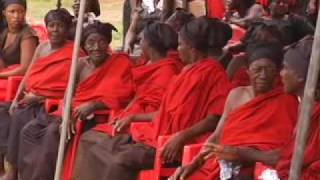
x: 151, y: 82
x: 111, y: 84
x: 311, y: 161
x: 199, y: 90
x: 259, y: 119
x: 49, y: 75
x: 254, y: 125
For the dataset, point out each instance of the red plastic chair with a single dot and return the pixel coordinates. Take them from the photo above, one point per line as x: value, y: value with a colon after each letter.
x: 189, y: 152
x: 52, y: 105
x: 159, y: 171
x: 41, y: 31
x: 12, y: 87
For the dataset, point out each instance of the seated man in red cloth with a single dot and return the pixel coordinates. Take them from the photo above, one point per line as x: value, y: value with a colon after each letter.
x: 294, y: 73
x: 46, y: 77
x: 251, y: 117
x: 197, y: 92
x: 151, y: 82
x: 104, y: 82
x: 257, y: 32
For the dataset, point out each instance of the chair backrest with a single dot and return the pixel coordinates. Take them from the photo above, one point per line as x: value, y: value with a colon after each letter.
x: 41, y: 31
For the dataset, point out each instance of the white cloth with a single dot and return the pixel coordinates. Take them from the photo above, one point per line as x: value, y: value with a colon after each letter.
x: 269, y: 174
x: 228, y: 170
x: 149, y: 5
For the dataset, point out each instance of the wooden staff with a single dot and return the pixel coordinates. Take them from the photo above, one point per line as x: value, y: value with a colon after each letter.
x: 59, y: 4
x: 69, y: 93
x: 306, y: 107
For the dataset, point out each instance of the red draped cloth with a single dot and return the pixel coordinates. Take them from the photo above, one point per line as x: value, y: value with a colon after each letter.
x: 200, y: 89
x: 265, y: 123
x: 4, y: 82
x: 311, y: 161
x: 111, y: 84
x: 216, y: 8
x: 151, y: 82
x: 49, y: 75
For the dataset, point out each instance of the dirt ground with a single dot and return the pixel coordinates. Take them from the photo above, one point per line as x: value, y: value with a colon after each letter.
x: 111, y: 11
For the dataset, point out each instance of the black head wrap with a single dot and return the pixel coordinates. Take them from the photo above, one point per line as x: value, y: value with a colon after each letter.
x: 196, y: 33
x: 161, y: 37
x: 297, y: 57
x: 219, y: 35
x: 105, y: 29
x: 268, y: 50
x: 6, y: 3
x: 59, y: 15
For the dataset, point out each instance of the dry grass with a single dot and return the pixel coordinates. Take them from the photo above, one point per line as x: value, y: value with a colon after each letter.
x: 111, y: 11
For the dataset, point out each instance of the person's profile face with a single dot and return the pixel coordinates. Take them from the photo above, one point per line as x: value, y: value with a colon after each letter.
x: 184, y: 50
x: 145, y: 47
x: 289, y: 79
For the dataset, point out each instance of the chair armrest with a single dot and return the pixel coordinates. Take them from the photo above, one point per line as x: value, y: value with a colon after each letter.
x: 189, y: 152
x: 51, y: 104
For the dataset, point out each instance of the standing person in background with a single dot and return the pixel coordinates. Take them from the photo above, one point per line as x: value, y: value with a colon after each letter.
x: 17, y: 36
x: 292, y: 26
x: 241, y: 13
x: 92, y: 11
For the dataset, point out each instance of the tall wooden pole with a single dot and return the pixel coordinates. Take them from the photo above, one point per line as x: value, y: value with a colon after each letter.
x: 58, y: 4
x: 68, y: 97
x: 306, y: 107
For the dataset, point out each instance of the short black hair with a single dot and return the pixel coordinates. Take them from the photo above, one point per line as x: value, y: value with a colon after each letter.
x: 269, y: 50
x: 105, y: 29
x: 60, y: 14
x: 161, y: 37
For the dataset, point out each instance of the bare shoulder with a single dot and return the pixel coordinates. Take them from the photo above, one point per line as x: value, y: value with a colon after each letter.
x: 239, y: 96
x: 42, y: 49
x: 239, y: 91
x: 44, y: 45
